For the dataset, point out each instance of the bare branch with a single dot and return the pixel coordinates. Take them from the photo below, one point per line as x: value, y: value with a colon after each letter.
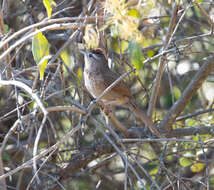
x: 156, y: 87
x: 180, y: 104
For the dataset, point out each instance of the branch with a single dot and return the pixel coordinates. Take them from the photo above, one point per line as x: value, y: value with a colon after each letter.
x: 6, y: 45
x: 44, y: 23
x: 61, y: 26
x: 156, y: 88
x: 28, y: 90
x: 102, y: 147
x: 72, y: 108
x: 180, y: 104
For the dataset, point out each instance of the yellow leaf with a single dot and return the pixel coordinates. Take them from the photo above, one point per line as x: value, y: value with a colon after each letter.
x: 133, y: 13
x: 195, y: 138
x: 197, y: 167
x: 65, y: 57
x: 32, y: 105
x: 79, y: 73
x: 42, y: 65
x: 40, y: 50
x: 150, y: 53
x: 48, y: 5
x: 153, y: 170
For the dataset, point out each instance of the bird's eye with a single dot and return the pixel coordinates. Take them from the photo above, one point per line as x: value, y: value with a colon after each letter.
x: 90, y: 55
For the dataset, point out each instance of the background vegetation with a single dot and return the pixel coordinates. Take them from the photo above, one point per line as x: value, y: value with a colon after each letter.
x: 54, y: 136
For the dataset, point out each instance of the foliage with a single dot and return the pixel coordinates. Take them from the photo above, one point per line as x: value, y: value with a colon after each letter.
x: 167, y: 43
x: 40, y: 50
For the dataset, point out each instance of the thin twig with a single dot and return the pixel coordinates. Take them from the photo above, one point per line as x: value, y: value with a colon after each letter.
x: 43, y: 153
x: 5, y: 45
x: 65, y: 108
x: 118, y: 151
x: 156, y: 87
x: 35, y: 147
x: 205, y: 13
x: 194, y: 114
x: 117, y: 124
x: 134, y: 140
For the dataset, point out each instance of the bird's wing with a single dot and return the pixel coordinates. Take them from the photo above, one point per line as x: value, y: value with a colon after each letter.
x: 120, y: 87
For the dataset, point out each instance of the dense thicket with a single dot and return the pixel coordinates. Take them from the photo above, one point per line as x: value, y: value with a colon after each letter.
x: 54, y: 135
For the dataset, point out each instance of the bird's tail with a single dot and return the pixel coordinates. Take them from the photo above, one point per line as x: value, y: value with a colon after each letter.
x: 143, y: 117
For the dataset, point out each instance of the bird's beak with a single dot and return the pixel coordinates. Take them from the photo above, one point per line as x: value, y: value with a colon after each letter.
x: 83, y: 51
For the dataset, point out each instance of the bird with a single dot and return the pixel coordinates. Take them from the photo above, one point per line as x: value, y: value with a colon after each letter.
x: 98, y: 76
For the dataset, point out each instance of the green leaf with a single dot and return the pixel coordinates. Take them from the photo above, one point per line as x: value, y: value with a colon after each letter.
x: 6, y: 28
x: 136, y: 55
x: 48, y: 5
x: 25, y: 95
x: 197, y: 167
x: 152, y: 168
x: 117, y: 47
x: 185, y: 162
x: 45, y: 103
x: 191, y: 122
x: 40, y: 50
x: 6, y: 157
x: 150, y: 53
x: 177, y: 92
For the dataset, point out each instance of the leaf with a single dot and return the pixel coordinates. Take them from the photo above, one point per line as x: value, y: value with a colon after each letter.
x: 6, y: 28
x: 65, y: 57
x: 150, y: 53
x: 40, y: 50
x: 42, y: 65
x: 177, y: 92
x: 32, y: 105
x: 6, y: 157
x: 153, y: 169
x: 191, y: 122
x: 133, y: 13
x: 48, y: 5
x: 79, y: 73
x: 185, y: 162
x: 195, y: 138
x: 117, y: 47
x: 197, y: 167
x: 136, y: 55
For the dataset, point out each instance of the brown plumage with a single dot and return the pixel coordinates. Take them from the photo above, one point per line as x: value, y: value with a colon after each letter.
x: 98, y: 76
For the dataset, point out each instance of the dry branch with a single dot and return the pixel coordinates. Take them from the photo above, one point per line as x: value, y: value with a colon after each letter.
x: 180, y: 104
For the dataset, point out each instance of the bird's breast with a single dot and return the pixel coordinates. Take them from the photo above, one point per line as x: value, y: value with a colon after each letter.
x: 94, y: 83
